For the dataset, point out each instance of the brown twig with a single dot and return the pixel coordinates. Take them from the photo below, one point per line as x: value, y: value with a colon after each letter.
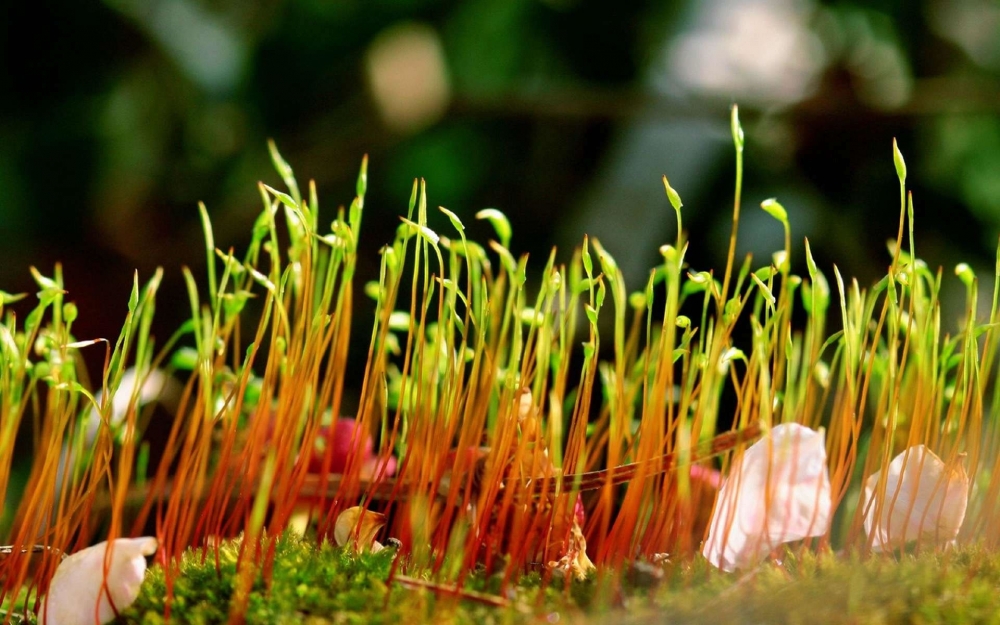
x: 6, y: 550
x: 316, y: 486
x: 448, y: 589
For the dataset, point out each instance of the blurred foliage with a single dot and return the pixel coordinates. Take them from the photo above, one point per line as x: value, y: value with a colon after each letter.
x: 117, y: 117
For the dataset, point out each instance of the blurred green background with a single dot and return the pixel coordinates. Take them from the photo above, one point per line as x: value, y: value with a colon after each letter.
x: 116, y: 118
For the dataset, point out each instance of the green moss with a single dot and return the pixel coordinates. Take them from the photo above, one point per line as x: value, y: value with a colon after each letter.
x: 325, y: 585
x: 320, y: 585
x: 950, y: 587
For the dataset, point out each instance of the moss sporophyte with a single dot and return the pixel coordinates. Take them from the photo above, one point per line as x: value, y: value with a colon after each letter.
x: 521, y: 447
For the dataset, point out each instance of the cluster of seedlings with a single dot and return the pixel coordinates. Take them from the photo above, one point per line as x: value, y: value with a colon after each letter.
x: 490, y: 433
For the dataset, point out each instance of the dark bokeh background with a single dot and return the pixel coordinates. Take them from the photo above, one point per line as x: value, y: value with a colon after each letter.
x: 116, y: 118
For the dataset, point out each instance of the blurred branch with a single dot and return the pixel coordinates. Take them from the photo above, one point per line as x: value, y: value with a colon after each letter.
x: 930, y: 96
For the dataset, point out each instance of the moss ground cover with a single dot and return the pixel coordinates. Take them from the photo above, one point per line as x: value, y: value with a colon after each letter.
x: 328, y: 585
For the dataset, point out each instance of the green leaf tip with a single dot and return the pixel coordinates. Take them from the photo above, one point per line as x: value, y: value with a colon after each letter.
x: 897, y: 159
x: 637, y: 300
x: 280, y: 164
x: 422, y: 231
x: 44, y: 282
x: 675, y: 199
x: 965, y: 274
x: 765, y: 291
x: 133, y: 299
x: 413, y: 198
x: 499, y: 222
x: 362, y: 186
x: 455, y: 221
x: 775, y: 209
x: 284, y: 198
x: 737, y: 129
x: 669, y: 253
x: 10, y: 298
x: 284, y: 169
x: 810, y: 261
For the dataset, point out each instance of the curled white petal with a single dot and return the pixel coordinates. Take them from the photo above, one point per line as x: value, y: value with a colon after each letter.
x: 78, y: 594
x: 154, y: 384
x: 348, y: 523
x: 778, y: 492
x: 924, y: 500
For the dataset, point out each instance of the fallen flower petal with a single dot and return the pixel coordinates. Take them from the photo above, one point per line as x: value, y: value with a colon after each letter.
x: 338, y: 440
x: 370, y: 523
x: 778, y: 492
x: 155, y: 385
x: 924, y: 500
x: 375, y: 467
x: 78, y: 594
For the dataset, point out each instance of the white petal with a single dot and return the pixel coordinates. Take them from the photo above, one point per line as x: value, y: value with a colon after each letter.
x: 155, y: 384
x: 76, y: 594
x: 800, y: 496
x: 347, y: 522
x: 778, y: 492
x: 924, y: 500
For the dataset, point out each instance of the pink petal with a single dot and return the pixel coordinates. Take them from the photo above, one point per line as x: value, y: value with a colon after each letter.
x: 337, y: 442
x: 924, y: 500
x: 778, y: 492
